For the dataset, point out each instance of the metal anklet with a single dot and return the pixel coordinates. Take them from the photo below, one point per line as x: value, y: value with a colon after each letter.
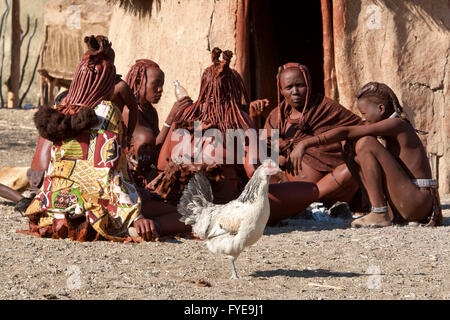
x: 379, y: 209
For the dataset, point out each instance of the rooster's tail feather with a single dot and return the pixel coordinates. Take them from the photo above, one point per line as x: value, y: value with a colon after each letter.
x: 196, y: 196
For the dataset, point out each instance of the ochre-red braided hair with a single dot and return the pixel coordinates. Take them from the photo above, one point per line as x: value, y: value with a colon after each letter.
x: 137, y: 76
x: 93, y: 81
x: 381, y: 93
x: 94, y: 77
x: 221, y: 96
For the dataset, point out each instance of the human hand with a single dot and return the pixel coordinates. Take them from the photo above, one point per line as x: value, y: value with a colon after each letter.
x: 35, y: 177
x: 257, y: 107
x: 147, y: 229
x: 294, y: 165
x: 178, y: 106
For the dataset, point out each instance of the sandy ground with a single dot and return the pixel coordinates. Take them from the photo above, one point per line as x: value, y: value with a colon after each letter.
x: 304, y: 259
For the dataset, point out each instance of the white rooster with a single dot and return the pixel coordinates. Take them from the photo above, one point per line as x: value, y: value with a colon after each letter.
x: 228, y: 228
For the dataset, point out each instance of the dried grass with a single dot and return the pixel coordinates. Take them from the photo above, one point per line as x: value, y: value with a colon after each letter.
x: 141, y: 8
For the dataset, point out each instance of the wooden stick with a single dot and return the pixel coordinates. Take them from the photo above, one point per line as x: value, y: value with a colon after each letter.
x: 329, y: 80
x: 243, y: 42
x: 27, y: 53
x: 2, y: 34
x: 324, y: 286
x: 31, y: 82
x: 339, y: 11
x: 42, y: 78
x: 13, y: 95
x: 24, y: 64
x: 27, y: 29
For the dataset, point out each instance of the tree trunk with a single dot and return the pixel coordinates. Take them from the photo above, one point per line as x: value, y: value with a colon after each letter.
x: 13, y: 90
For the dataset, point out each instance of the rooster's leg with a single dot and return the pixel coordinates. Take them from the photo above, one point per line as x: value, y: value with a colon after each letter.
x: 233, y: 270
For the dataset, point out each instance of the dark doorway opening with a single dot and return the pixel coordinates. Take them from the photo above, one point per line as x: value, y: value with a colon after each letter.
x: 282, y: 32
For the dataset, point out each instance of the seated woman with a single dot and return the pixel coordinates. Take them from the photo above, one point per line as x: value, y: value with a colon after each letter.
x: 86, y: 193
x: 302, y: 114
x: 397, y: 176
x: 146, y: 81
x: 220, y: 106
x: 41, y: 159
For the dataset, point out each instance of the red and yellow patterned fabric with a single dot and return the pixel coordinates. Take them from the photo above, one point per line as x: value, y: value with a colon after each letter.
x: 87, y: 192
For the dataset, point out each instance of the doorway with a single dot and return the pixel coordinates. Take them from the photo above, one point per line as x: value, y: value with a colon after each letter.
x: 282, y: 32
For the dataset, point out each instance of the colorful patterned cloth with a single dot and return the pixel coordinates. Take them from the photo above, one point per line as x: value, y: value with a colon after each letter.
x: 87, y: 181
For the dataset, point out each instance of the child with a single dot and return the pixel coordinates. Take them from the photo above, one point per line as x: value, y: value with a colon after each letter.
x: 146, y: 80
x: 397, y: 176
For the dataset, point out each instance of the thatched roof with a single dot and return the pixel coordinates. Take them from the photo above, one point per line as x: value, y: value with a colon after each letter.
x: 141, y: 8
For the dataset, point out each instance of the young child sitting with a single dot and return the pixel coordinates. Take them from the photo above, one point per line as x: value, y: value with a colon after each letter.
x: 395, y: 172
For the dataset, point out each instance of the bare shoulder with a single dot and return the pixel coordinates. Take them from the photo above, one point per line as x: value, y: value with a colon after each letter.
x: 396, y: 129
x: 122, y: 87
x: 121, y: 84
x: 399, y: 124
x: 389, y: 127
x: 118, y: 89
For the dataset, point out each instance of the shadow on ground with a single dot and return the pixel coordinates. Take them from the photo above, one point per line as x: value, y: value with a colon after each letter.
x: 8, y: 145
x: 289, y: 225
x: 7, y: 203
x: 292, y: 273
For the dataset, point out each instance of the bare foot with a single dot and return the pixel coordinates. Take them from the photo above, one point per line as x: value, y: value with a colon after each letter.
x: 359, y: 214
x: 372, y: 220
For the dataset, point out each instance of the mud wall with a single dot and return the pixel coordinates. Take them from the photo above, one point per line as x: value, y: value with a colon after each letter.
x: 179, y: 36
x: 406, y: 45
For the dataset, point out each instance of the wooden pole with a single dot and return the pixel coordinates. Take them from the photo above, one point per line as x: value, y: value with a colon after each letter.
x: 329, y: 71
x: 243, y: 42
x: 42, y: 100
x: 339, y: 12
x: 13, y: 90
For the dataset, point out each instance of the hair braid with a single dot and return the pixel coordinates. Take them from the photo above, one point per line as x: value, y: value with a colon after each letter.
x: 94, y: 77
x: 137, y: 75
x: 92, y: 82
x: 381, y: 93
x: 220, y: 98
